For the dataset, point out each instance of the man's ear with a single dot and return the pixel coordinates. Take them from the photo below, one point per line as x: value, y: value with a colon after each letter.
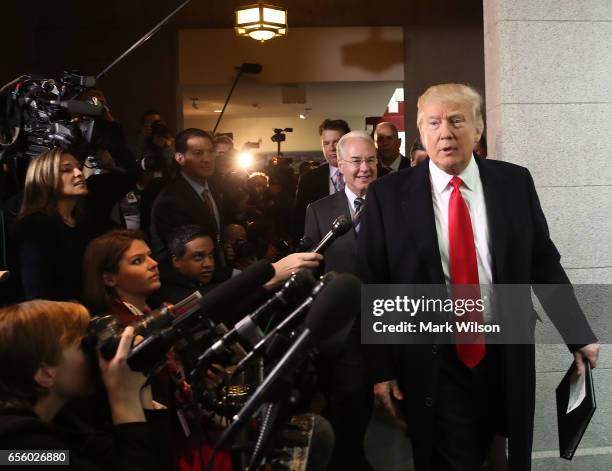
x: 109, y: 279
x: 180, y: 158
x: 45, y: 376
x: 175, y: 262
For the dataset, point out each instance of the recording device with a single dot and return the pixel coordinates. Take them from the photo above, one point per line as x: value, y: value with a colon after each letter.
x: 341, y: 225
x: 279, y: 134
x: 38, y: 113
x: 247, y: 329
x: 338, y: 303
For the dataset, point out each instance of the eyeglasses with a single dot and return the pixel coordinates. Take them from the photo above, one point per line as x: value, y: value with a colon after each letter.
x: 355, y: 162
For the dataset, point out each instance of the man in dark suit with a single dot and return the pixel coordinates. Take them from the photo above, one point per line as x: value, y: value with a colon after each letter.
x: 388, y: 145
x: 323, y: 180
x: 342, y: 371
x: 456, y: 220
x: 191, y: 197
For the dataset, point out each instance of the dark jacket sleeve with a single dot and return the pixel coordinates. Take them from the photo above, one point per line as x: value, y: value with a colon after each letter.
x: 311, y: 226
x: 37, y: 244
x: 372, y: 268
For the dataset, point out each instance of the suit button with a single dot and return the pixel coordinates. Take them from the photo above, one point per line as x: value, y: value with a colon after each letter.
x: 434, y: 349
x: 428, y: 401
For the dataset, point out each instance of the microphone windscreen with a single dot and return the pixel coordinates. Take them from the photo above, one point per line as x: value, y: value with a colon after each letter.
x: 341, y: 225
x: 237, y: 287
x: 248, y: 68
x: 334, y: 307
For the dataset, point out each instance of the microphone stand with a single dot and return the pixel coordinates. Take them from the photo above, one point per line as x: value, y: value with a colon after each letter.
x: 238, y: 75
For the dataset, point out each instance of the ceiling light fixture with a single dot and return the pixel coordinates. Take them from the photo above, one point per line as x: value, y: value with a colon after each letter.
x: 304, y: 114
x: 261, y: 21
x: 194, y: 103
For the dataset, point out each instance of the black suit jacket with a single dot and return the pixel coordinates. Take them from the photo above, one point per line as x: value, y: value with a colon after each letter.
x: 178, y: 204
x: 340, y: 256
x: 404, y: 163
x: 398, y: 244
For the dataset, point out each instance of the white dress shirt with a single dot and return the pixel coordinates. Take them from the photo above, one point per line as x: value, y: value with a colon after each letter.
x: 351, y: 199
x: 473, y: 194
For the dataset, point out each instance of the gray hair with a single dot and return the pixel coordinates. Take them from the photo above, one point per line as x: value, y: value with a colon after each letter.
x: 352, y: 135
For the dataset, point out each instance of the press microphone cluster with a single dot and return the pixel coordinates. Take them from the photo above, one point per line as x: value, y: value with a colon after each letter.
x: 335, y: 306
x: 247, y: 329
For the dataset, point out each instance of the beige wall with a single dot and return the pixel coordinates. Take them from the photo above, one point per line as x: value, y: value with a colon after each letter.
x: 305, y: 55
x: 305, y: 135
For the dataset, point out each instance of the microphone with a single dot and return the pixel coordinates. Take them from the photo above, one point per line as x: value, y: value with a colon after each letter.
x: 247, y: 328
x: 195, y: 310
x: 341, y: 225
x: 290, y: 320
x: 331, y: 311
x: 248, y: 68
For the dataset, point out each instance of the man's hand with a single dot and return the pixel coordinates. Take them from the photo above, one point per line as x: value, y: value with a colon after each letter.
x: 291, y: 263
x: 588, y: 352
x: 383, y: 391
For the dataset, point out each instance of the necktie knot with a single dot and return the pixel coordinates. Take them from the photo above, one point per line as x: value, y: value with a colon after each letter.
x: 456, y: 182
x: 359, y: 201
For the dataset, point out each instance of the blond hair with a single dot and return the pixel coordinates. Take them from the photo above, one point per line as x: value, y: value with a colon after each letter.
x: 454, y: 93
x: 43, y: 184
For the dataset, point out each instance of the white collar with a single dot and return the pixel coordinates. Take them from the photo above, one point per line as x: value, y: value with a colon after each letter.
x: 198, y: 187
x: 440, y: 179
x: 351, y: 196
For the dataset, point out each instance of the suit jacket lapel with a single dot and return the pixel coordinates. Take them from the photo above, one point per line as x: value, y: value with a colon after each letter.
x: 417, y: 207
x: 495, y: 186
x: 341, y: 206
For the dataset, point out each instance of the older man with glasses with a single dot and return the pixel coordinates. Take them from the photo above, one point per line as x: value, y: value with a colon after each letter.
x: 349, y: 398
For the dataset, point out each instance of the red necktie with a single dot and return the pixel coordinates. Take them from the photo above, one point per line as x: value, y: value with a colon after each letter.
x: 464, y: 274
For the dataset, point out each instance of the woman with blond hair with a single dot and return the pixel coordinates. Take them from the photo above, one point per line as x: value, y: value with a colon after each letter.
x: 60, y: 213
x: 44, y: 368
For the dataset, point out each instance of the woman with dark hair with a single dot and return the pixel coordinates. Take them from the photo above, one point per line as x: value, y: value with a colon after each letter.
x: 119, y: 274
x: 60, y: 213
x: 44, y: 367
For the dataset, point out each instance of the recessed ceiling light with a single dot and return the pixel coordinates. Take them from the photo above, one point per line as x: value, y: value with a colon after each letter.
x: 217, y: 111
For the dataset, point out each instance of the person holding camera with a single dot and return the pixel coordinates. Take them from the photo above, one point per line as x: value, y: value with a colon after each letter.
x: 43, y: 338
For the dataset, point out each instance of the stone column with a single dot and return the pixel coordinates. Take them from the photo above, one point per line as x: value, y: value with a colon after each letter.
x: 548, y: 80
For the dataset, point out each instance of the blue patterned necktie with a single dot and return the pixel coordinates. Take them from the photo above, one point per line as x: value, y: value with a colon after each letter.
x: 358, y: 203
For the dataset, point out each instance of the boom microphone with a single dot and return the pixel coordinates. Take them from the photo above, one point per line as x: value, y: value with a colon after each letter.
x: 335, y: 307
x: 248, y: 68
x: 341, y: 225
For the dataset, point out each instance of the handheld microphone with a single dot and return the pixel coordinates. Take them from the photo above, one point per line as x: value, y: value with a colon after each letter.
x: 331, y: 311
x: 341, y: 225
x: 289, y: 321
x: 247, y: 328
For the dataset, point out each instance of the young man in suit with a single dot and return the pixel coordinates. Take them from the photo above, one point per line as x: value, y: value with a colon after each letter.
x: 388, y: 145
x: 458, y: 220
x: 342, y: 371
x: 324, y: 180
x: 192, y: 196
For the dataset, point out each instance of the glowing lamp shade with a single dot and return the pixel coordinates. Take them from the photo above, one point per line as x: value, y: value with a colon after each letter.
x: 261, y: 21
